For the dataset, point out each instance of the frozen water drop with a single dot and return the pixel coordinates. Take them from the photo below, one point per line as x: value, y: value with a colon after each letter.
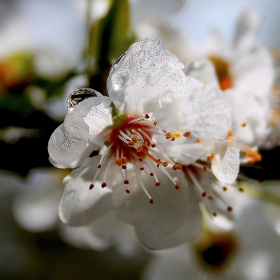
x: 79, y: 95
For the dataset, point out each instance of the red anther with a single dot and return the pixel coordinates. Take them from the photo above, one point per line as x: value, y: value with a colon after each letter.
x: 155, y: 123
x: 187, y: 134
x: 126, y: 182
x: 173, y: 138
x: 147, y: 116
x: 157, y: 184
x: 204, y: 194
x: 127, y: 191
x: 177, y: 167
x: 157, y: 165
x: 153, y: 145
x: 123, y: 166
x: 140, y: 159
x: 165, y: 164
x: 130, y: 143
x: 141, y: 168
x: 91, y: 186
x: 151, y: 174
x: 99, y: 166
x: 103, y: 185
x: 204, y: 167
x: 177, y: 187
x: 151, y: 201
x: 229, y: 209
x: 168, y: 135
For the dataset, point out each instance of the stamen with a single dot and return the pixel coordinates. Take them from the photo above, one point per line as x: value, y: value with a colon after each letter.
x: 91, y: 186
x: 187, y: 134
x: 103, y: 185
x: 243, y: 124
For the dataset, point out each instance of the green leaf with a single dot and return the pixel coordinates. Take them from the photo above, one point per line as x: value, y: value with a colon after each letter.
x: 112, y: 35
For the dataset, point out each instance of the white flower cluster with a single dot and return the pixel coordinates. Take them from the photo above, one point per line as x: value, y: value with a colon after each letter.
x: 166, y: 140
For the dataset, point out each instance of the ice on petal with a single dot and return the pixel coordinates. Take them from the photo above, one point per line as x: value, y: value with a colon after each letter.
x: 147, y: 73
x: 79, y: 205
x: 225, y: 164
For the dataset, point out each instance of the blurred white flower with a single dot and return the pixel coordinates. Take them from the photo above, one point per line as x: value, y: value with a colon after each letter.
x: 247, y: 251
x: 162, y: 122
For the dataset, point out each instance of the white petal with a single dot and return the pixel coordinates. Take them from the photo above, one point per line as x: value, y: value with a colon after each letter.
x: 247, y: 30
x: 78, y: 204
x: 203, y: 71
x: 205, y: 111
x: 147, y: 75
x: 225, y: 164
x: 173, y: 218
x: 98, y: 118
x: 68, y: 142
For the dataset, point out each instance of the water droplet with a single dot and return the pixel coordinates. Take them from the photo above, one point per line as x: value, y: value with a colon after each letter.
x: 116, y: 63
x: 79, y: 95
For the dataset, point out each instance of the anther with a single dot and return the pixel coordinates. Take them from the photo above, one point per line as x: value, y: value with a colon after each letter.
x: 127, y: 191
x: 151, y: 201
x: 204, y: 194
x: 230, y: 133
x: 173, y: 138
x: 155, y: 123
x: 241, y: 189
x: 177, y: 187
x: 99, y: 166
x: 157, y: 184
x: 151, y: 174
x: 147, y: 116
x: 197, y: 141
x: 224, y: 189
x: 243, y: 124
x: 141, y: 168
x: 165, y: 164
x: 123, y: 166
x: 204, y: 167
x: 91, y: 186
x: 229, y: 209
x: 103, y: 185
x: 177, y: 167
x: 187, y: 134
x: 168, y: 135
x: 214, y: 214
x: 210, y: 197
x: 153, y: 145
x: 126, y: 182
x: 211, y: 157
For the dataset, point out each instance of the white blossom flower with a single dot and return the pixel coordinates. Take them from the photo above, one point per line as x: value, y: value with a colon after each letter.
x: 247, y: 251
x: 245, y: 72
x: 155, y: 123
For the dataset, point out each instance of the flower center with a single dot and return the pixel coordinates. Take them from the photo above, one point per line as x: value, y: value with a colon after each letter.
x: 215, y: 249
x: 222, y: 71
x: 131, y: 147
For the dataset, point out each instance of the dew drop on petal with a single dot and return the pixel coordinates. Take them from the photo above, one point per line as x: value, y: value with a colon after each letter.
x: 79, y: 95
